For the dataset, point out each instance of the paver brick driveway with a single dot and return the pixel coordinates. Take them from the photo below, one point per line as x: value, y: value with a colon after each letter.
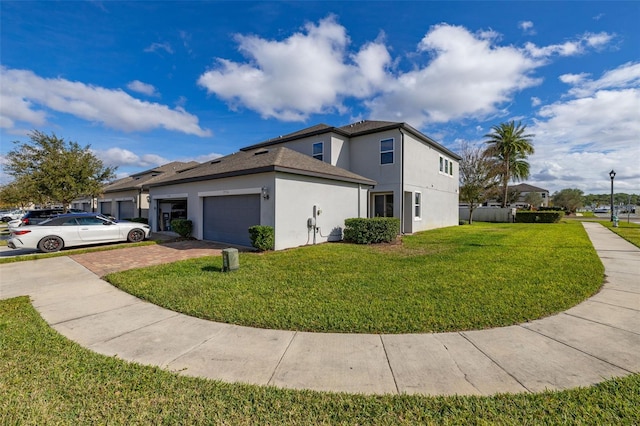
x: 103, y: 263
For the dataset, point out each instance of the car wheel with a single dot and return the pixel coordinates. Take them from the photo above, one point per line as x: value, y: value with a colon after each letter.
x: 135, y: 235
x: 50, y: 244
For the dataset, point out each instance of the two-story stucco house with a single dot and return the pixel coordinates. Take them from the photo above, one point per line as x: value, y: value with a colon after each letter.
x: 306, y: 183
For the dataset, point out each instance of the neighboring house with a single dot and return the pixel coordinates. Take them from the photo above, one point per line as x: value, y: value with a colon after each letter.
x: 523, y: 190
x: 128, y: 197
x: 306, y: 183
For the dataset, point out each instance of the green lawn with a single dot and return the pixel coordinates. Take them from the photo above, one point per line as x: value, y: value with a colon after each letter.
x: 628, y: 231
x: 46, y: 379
x: 459, y: 278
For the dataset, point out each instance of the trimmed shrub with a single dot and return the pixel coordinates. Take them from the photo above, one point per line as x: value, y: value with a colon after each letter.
x: 371, y: 230
x: 539, y: 216
x: 182, y: 226
x: 139, y: 220
x: 262, y: 237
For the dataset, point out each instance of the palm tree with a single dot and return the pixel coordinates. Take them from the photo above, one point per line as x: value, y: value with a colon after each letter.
x: 509, y: 145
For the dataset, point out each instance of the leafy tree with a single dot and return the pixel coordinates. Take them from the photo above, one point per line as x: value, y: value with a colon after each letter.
x: 569, y: 199
x: 57, y: 171
x: 533, y: 198
x: 510, y: 146
x: 477, y: 177
x: 20, y: 192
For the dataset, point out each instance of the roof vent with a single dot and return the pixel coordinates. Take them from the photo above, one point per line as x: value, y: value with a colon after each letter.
x: 264, y: 151
x: 215, y: 161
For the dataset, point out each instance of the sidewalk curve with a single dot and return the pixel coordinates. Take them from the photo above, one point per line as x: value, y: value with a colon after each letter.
x: 591, y: 342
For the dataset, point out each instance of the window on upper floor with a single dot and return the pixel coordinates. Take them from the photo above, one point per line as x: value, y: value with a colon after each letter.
x: 386, y: 151
x: 446, y: 166
x: 318, y: 151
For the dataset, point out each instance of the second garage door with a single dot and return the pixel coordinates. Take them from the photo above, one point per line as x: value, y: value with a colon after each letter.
x: 227, y: 219
x: 126, y: 210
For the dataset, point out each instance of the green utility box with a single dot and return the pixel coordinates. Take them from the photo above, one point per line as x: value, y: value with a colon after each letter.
x: 230, y: 260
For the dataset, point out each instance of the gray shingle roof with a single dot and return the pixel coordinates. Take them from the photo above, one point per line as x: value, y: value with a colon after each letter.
x: 359, y: 128
x: 279, y: 159
x: 142, y: 180
x: 525, y: 187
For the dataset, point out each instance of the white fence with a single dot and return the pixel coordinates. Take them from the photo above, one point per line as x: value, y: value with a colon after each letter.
x: 488, y: 214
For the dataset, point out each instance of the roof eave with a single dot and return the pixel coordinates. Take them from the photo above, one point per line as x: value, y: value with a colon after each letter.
x: 363, y: 181
x: 212, y: 176
x: 296, y: 137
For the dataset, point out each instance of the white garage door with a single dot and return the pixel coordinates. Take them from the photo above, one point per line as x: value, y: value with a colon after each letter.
x: 227, y: 219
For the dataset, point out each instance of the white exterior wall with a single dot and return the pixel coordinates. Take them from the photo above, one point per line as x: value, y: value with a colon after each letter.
x: 439, y: 190
x: 130, y: 195
x: 340, y: 155
x: 194, y: 192
x: 296, y: 198
x: 364, y: 152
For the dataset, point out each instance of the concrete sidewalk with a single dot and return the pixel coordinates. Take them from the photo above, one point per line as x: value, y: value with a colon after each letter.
x: 589, y: 343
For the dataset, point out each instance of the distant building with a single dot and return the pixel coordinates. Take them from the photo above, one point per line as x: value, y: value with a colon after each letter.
x: 523, y: 190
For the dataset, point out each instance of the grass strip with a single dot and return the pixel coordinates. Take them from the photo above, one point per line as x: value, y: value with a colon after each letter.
x: 459, y: 278
x: 628, y: 230
x: 68, y: 252
x: 47, y: 379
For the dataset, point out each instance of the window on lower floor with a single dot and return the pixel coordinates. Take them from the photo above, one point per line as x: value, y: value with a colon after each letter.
x: 318, y: 151
x: 417, y: 205
x: 383, y: 205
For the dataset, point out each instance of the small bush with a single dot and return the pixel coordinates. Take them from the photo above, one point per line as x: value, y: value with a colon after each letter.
x: 139, y: 220
x: 371, y: 230
x: 182, y: 226
x: 262, y: 237
x: 539, y: 216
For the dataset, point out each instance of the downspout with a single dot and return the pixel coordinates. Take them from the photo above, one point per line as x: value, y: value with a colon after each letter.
x: 359, y: 199
x: 401, y: 182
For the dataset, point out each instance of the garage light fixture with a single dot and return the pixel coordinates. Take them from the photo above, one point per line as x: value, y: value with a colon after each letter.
x: 265, y: 192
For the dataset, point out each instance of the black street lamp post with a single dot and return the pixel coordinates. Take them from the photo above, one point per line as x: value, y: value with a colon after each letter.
x: 612, y: 175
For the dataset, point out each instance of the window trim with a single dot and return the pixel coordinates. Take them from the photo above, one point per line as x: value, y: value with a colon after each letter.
x: 389, y: 151
x: 318, y: 156
x: 384, y: 203
x: 446, y: 166
x: 417, y: 205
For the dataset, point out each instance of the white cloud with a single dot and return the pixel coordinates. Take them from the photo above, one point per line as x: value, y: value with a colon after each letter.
x: 144, y: 88
x: 627, y: 75
x: 27, y: 98
x: 570, y: 48
x: 526, y: 27
x: 468, y: 76
x: 307, y: 73
x: 535, y: 101
x: 313, y: 72
x: 593, y: 129
x: 202, y: 158
x: 154, y: 47
x: 123, y: 157
x: 573, y: 78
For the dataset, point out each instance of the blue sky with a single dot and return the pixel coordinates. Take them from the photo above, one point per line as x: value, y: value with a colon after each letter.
x: 145, y: 83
